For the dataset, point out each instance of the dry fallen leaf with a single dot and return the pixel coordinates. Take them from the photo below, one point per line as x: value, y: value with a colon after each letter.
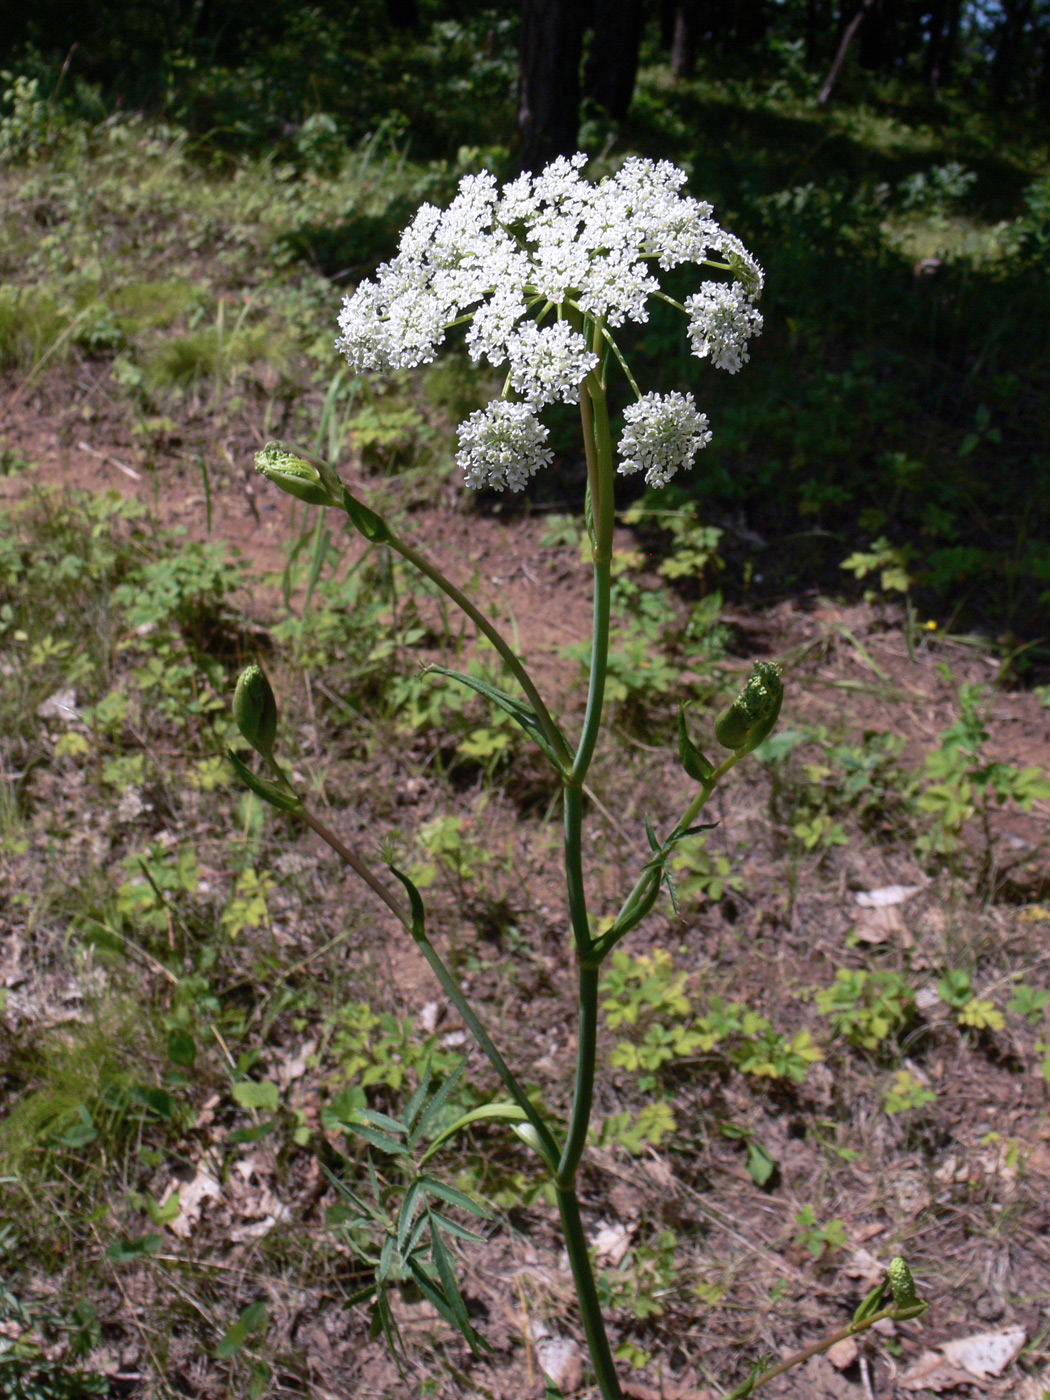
x: 192, y: 1195
x: 933, y: 1371
x: 886, y: 896
x: 986, y: 1353
x: 965, y: 1361
x: 843, y: 1354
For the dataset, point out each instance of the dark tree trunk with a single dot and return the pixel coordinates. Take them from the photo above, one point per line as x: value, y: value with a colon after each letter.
x: 549, y: 93
x: 612, y: 64
x: 935, y: 47
x: 684, y: 38
x: 402, y: 14
x: 668, y: 11
x: 750, y: 22
x: 1011, y: 35
x: 840, y: 57
x: 951, y: 39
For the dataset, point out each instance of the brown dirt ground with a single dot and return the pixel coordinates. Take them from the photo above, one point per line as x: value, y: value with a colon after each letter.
x: 973, y: 1218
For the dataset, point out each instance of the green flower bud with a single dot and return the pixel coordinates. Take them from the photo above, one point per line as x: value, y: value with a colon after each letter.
x: 902, y: 1285
x: 750, y: 718
x: 255, y: 710
x: 300, y: 479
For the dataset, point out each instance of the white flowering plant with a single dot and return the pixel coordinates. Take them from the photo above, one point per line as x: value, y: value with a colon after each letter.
x: 543, y: 273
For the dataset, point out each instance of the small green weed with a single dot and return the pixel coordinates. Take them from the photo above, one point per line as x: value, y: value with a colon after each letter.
x: 869, y: 1009
x: 818, y: 1240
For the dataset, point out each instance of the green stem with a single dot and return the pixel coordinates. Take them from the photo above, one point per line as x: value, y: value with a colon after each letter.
x: 639, y: 898
x: 554, y: 735
x: 458, y: 999
x: 594, y: 414
x: 583, y: 1091
x: 587, y: 1293
x: 854, y: 1329
x: 444, y: 976
x: 594, y: 411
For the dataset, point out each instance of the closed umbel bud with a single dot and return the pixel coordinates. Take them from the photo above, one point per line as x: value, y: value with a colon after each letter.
x: 255, y: 710
x: 902, y: 1285
x: 299, y: 478
x: 750, y: 718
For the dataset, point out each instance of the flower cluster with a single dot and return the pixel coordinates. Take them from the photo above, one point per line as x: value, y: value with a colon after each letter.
x: 502, y: 445
x: 663, y: 433
x: 544, y: 270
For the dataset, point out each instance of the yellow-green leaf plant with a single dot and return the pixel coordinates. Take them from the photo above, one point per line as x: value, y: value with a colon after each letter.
x: 543, y: 273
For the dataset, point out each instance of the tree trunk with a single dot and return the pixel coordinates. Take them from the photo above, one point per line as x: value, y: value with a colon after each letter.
x: 840, y: 57
x: 549, y: 91
x: 683, y: 39
x: 612, y: 64
x: 1016, y: 17
x: 935, y: 47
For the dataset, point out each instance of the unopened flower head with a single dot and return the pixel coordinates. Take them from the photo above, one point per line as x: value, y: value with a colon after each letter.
x: 663, y: 434
x: 545, y: 270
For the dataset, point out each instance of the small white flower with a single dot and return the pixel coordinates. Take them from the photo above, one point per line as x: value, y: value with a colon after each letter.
x: 721, y: 322
x: 664, y: 433
x: 502, y: 445
x: 549, y: 364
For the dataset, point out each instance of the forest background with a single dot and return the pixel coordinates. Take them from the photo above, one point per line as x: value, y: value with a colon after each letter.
x: 838, y: 1044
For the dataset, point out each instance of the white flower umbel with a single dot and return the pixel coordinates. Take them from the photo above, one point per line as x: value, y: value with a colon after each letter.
x: 721, y: 322
x: 552, y: 245
x: 664, y: 433
x: 550, y: 363
x: 502, y: 445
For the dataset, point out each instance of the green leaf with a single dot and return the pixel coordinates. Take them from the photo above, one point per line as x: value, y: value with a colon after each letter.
x: 383, y: 1141
x: 253, y: 1134
x: 871, y: 1304
x: 454, y: 1197
x: 693, y: 761
x: 515, y: 708
x: 182, y: 1049
x: 124, y: 1251
x: 251, y: 1093
x: 436, y: 1104
x: 447, y: 1274
x: 760, y: 1164
x: 282, y: 798
x: 407, y: 1214
x: 415, y: 1103
x: 461, y: 1232
x: 372, y: 526
x: 250, y: 1320
x: 415, y: 899
x: 508, y: 1112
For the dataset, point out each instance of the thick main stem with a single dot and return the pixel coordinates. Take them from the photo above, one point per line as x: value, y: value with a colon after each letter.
x: 594, y: 414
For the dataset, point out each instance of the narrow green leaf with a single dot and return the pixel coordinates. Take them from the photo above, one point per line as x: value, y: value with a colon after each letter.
x: 517, y: 710
x: 871, y: 1304
x: 454, y: 1197
x: 692, y: 760
x: 509, y: 1112
x: 386, y: 1260
x: 437, y: 1103
x: 383, y: 1141
x: 415, y: 1103
x: 415, y: 899
x: 460, y: 1231
x: 378, y: 1120
x: 282, y: 798
x: 447, y: 1275
x: 407, y: 1214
